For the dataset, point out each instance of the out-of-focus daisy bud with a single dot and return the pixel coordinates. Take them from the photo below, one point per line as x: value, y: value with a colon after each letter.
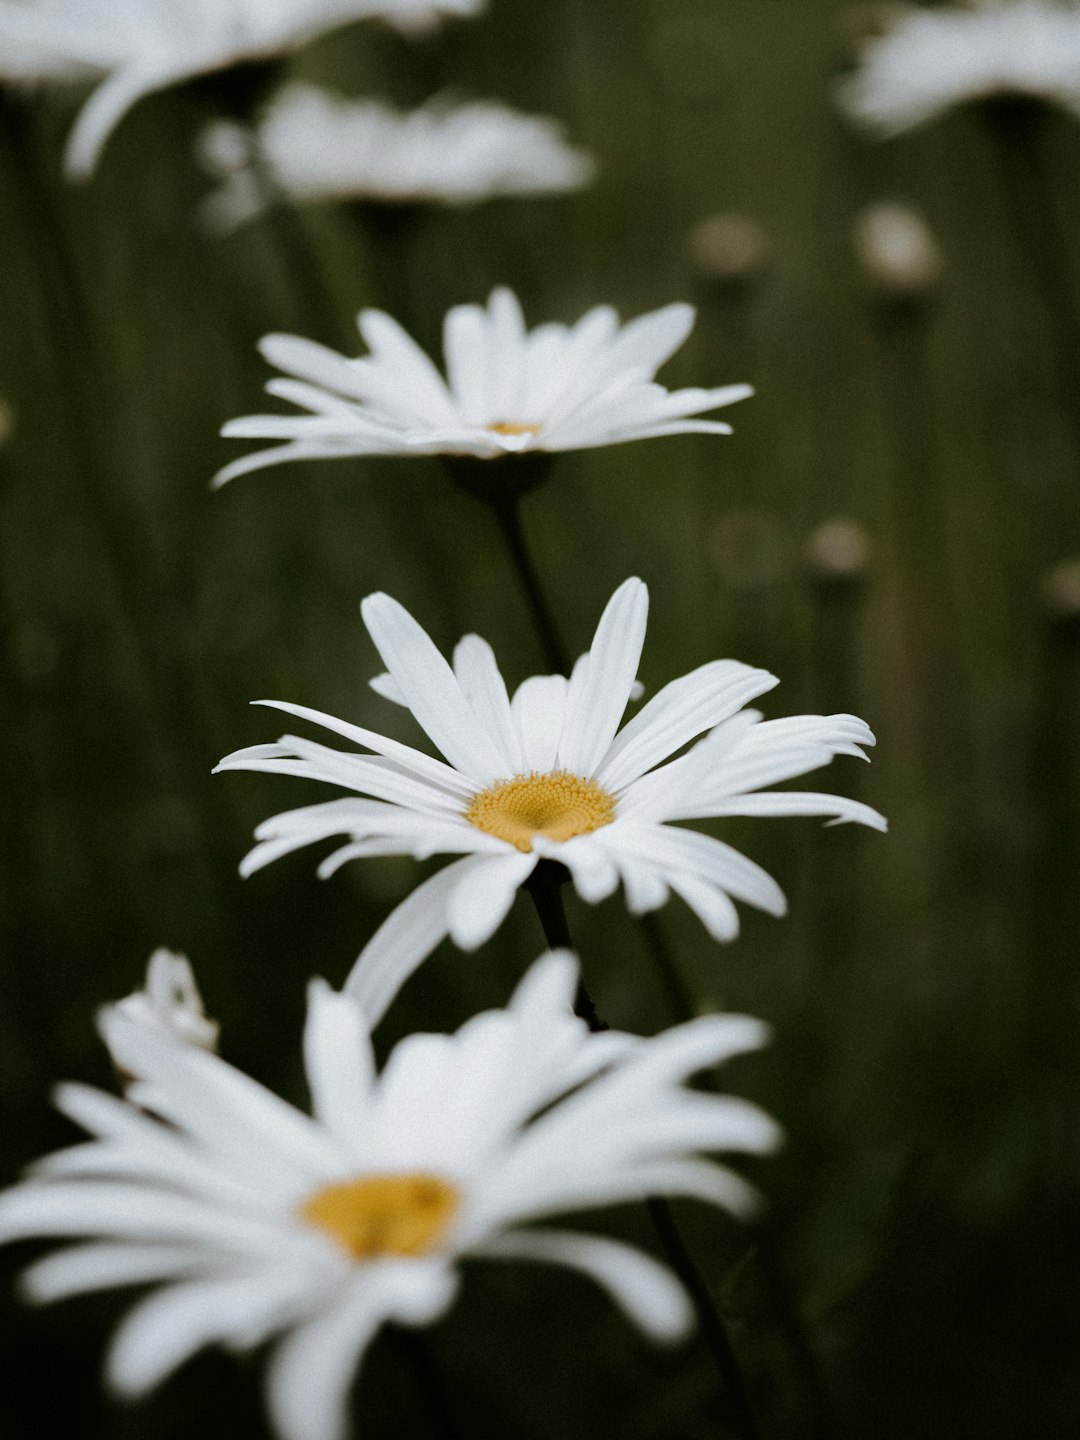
x: 838, y: 550
x: 729, y: 249
x: 897, y: 251
x: 1060, y: 591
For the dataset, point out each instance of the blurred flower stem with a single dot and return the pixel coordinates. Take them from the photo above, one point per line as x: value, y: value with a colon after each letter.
x: 1017, y: 130
x: 137, y: 567
x: 415, y: 1349
x: 545, y: 887
x: 387, y: 234
x: 485, y: 482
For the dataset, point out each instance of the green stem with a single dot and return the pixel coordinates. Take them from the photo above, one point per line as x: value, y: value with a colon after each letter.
x: 545, y: 887
x: 1017, y: 129
x: 507, y: 513
x: 416, y: 1351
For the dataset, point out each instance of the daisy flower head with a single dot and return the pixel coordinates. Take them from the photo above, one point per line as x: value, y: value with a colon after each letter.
x: 319, y: 146
x: 171, y: 1001
x: 507, y: 391
x: 548, y: 774
x: 931, y: 59
x: 135, y: 47
x: 257, y: 1222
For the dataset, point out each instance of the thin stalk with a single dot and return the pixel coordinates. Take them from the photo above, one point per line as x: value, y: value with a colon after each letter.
x: 507, y: 512
x: 416, y: 1351
x: 713, y: 1330
x: 545, y: 887
x: 680, y: 997
x: 1017, y: 130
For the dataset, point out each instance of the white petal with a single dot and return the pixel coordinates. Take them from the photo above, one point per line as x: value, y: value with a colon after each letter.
x: 425, y: 767
x: 404, y: 941
x: 792, y: 802
x: 431, y: 689
x: 338, y: 1059
x: 713, y: 908
x: 106, y: 107
x: 482, y: 898
x: 680, y: 711
x: 485, y: 689
x: 312, y: 1370
x: 599, y: 692
x: 410, y: 369
x: 80, y: 1269
x: 538, y: 708
x: 648, y: 1292
x: 592, y: 869
x: 169, y: 1327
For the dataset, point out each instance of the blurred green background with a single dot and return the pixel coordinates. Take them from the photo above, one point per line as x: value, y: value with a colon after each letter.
x: 923, y: 990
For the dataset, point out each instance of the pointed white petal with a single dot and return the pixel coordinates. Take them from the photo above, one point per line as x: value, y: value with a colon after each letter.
x: 646, y: 1291
x: 680, y: 711
x: 338, y: 1059
x: 404, y: 941
x: 431, y: 689
x: 482, y: 898
x: 599, y: 691
x: 485, y: 689
x: 538, y: 709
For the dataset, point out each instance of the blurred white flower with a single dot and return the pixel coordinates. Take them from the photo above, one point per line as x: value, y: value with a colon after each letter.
x: 930, y: 59
x: 140, y: 46
x: 257, y: 1221
x: 508, y: 391
x: 170, y: 1001
x: 897, y: 250
x: 318, y: 146
x: 549, y: 775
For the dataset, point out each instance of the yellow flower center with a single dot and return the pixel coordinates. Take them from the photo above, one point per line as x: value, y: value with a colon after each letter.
x: 381, y: 1215
x: 513, y: 427
x: 558, y: 805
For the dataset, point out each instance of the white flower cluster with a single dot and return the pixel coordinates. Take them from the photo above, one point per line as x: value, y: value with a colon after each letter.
x: 312, y: 145
x: 931, y: 59
x: 138, y: 46
x: 257, y: 1223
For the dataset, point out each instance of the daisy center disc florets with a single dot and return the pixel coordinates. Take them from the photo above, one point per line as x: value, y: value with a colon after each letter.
x: 513, y: 427
x: 381, y: 1215
x: 558, y: 805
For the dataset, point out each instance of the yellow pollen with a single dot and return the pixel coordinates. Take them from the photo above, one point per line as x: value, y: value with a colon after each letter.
x: 381, y: 1215
x: 558, y: 805
x: 512, y: 427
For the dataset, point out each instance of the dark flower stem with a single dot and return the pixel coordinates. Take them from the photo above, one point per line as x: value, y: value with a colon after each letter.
x: 507, y: 513
x: 545, y: 887
x: 415, y: 1350
x: 1017, y: 129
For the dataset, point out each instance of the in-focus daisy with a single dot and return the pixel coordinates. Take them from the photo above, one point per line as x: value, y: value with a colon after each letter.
x: 317, y: 146
x: 930, y: 59
x: 139, y: 46
x: 507, y: 391
x: 548, y: 774
x: 171, y: 1001
x: 258, y: 1222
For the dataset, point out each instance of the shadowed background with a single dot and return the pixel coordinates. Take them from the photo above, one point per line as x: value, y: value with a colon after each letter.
x: 923, y: 990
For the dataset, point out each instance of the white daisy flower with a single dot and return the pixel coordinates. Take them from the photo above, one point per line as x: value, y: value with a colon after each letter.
x: 257, y: 1221
x: 139, y: 46
x: 930, y: 59
x: 170, y: 1000
x: 548, y: 774
x: 319, y: 146
x: 509, y: 390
